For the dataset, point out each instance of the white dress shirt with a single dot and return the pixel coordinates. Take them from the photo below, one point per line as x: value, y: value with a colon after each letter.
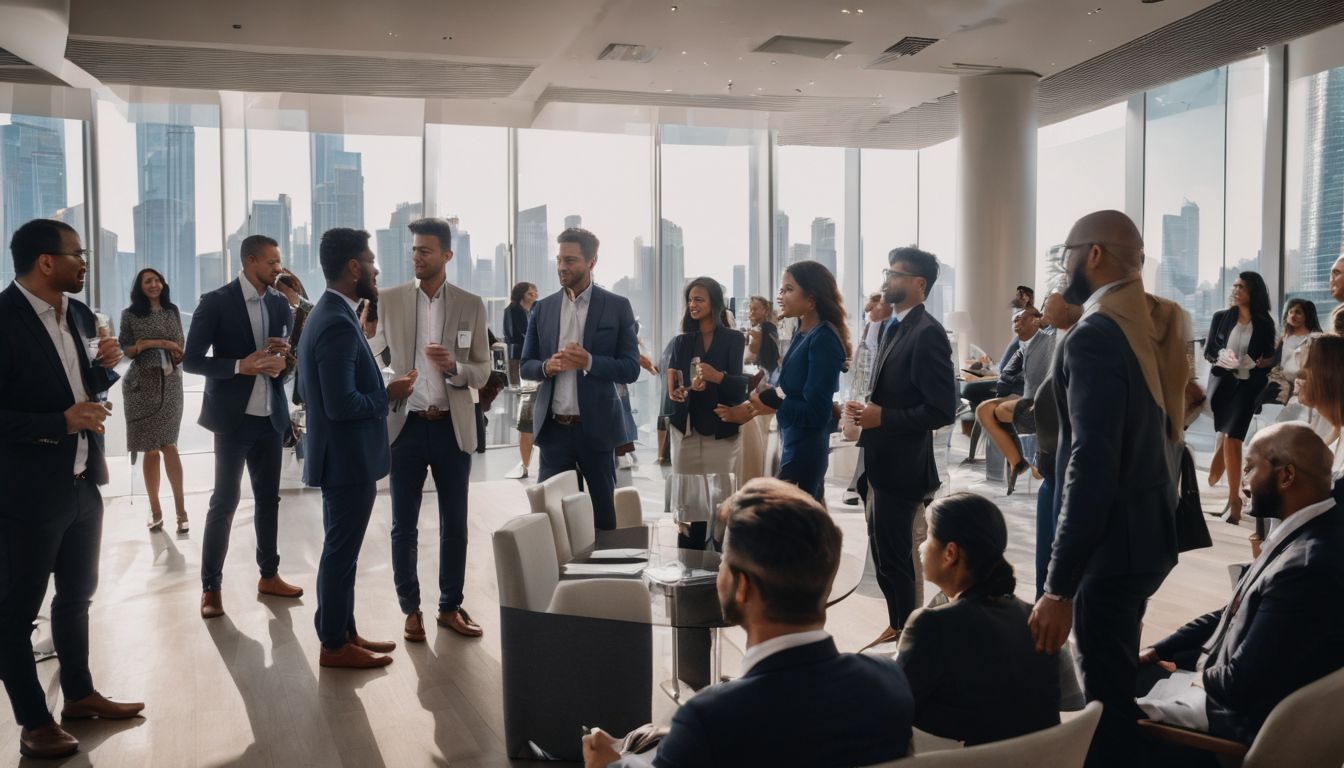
x: 431, y: 389
x: 66, y: 347
x: 259, y: 402
x: 573, y: 319
x: 1100, y: 293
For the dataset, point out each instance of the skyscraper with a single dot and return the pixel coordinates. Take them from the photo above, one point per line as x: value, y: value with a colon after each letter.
x: 1178, y: 271
x: 466, y: 264
x: 641, y: 287
x: 274, y: 218
x: 394, y: 245
x: 32, y: 177
x: 672, y: 268
x: 739, y: 281
x: 798, y: 252
x: 573, y: 220
x: 823, y: 242
x: 338, y: 184
x: 165, y: 218
x: 781, y: 243
x: 534, y: 251
x: 1322, y: 184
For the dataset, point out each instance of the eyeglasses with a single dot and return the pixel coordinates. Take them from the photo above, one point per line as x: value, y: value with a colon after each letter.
x: 897, y: 273
x: 82, y: 254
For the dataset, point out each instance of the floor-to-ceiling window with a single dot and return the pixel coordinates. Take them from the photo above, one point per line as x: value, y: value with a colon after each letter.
x: 939, y: 207
x: 889, y: 210
x: 1313, y: 227
x: 41, y: 177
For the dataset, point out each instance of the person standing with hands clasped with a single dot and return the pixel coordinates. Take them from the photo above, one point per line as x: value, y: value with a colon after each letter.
x: 244, y: 326
x: 432, y: 327
x: 581, y: 342
x: 55, y: 371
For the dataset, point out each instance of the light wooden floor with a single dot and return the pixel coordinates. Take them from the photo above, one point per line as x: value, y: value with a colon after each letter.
x: 246, y: 690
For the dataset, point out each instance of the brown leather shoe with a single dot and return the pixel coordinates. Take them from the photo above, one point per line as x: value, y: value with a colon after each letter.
x: 888, y: 635
x: 98, y: 705
x: 47, y: 742
x: 376, y: 646
x: 212, y: 604
x: 278, y: 587
x: 461, y: 623
x: 415, y: 628
x: 351, y: 656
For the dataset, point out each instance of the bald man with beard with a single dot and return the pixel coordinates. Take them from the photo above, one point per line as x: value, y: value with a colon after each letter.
x: 1121, y: 371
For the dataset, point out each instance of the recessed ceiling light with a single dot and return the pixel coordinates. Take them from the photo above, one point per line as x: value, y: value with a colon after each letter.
x: 773, y: 62
x: 683, y: 53
x: 858, y: 10
x: 844, y: 10
x: 837, y: 57
x: 760, y: 89
x: 1096, y: 12
x: 811, y: 82
x: 674, y: 9
x: 667, y: 90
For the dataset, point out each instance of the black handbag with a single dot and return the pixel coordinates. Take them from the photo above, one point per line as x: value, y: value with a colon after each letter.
x: 1191, y: 530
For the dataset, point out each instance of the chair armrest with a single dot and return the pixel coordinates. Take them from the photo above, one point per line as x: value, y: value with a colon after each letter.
x: 1187, y: 738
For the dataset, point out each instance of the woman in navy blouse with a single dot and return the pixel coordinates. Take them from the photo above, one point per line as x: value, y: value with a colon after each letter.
x: 809, y: 376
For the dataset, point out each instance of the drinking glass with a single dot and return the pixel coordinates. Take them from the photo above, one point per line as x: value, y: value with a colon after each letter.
x: 720, y: 486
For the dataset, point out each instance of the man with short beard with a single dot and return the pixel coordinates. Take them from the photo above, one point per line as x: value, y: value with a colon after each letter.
x: 581, y: 343
x: 342, y: 388
x: 780, y: 554
x: 1119, y: 384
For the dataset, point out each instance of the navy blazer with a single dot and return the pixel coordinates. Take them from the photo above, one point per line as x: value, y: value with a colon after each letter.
x: 1114, y: 505
x: 914, y: 383
x: 810, y: 377
x: 345, y: 399
x: 609, y: 336
x: 36, y: 452
x: 221, y: 327
x: 1287, y: 633
x: 809, y: 706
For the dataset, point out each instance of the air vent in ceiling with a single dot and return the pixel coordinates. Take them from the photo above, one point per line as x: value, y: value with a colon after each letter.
x: 640, y: 54
x: 906, y: 46
x: 968, y: 69
x: 811, y: 47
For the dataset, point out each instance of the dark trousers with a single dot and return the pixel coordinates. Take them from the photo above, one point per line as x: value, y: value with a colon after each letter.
x: 1045, y: 528
x: 256, y: 445
x: 64, y: 542
x: 566, y: 448
x: 422, y: 447
x: 891, y: 534
x: 345, y: 518
x: 1107, y: 615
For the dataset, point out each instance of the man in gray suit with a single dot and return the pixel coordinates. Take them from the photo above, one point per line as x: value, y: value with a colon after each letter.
x: 436, y: 333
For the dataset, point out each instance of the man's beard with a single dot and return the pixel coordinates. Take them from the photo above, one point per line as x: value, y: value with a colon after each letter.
x: 731, y: 614
x: 895, y: 298
x: 1266, y: 505
x: 366, y: 288
x: 1078, y: 291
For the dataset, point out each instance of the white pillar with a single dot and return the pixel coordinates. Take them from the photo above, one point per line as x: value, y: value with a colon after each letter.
x: 997, y: 222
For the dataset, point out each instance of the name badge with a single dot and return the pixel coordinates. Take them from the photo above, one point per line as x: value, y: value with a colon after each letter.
x: 464, y: 339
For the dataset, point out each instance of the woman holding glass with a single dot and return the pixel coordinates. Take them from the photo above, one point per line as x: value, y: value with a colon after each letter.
x: 809, y: 376
x: 704, y: 372
x: 151, y: 335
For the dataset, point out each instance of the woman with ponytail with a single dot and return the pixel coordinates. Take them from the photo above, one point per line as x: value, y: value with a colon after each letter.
x: 971, y: 662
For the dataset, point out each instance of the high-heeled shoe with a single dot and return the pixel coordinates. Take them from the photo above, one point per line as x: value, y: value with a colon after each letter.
x: 1233, y: 517
x: 183, y: 525
x: 1017, y: 471
x: 155, y: 520
x: 1220, y: 512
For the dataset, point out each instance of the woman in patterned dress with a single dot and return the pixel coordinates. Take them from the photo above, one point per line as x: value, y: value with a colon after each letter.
x: 151, y: 335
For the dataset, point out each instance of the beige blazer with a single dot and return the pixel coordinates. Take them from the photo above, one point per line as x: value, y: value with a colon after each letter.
x: 396, y: 330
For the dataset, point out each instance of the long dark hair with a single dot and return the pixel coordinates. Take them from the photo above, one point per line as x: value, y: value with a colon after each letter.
x: 519, y: 291
x: 1255, y: 285
x: 1313, y: 322
x: 978, y: 528
x: 817, y: 282
x: 140, y: 302
x: 716, y: 303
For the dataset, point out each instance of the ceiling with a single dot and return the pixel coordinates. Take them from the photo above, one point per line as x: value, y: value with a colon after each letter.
x: 522, y: 55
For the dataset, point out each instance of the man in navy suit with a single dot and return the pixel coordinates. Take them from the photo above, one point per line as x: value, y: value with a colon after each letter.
x: 51, y: 464
x: 238, y: 341
x: 1283, y: 629
x: 1115, y: 540
x: 580, y: 344
x: 346, y: 403
x: 914, y: 392
x: 780, y: 555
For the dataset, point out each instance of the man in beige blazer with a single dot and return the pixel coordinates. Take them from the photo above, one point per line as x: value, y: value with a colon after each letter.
x: 437, y: 332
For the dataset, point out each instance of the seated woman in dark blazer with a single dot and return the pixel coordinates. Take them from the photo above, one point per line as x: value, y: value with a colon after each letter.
x: 1244, y: 331
x: 971, y: 662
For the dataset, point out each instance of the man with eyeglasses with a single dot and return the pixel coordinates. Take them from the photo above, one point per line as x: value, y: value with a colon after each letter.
x: 913, y: 392
x: 1120, y: 388
x: 51, y: 464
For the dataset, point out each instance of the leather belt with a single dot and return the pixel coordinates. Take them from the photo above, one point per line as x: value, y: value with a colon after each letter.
x: 568, y: 421
x: 433, y: 414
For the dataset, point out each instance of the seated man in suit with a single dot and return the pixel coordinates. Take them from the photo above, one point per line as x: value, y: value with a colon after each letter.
x: 1283, y: 628
x: 1002, y: 416
x: 780, y: 555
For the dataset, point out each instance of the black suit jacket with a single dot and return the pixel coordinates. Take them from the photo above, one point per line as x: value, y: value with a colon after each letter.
x: 975, y: 673
x: 725, y: 354
x: 809, y: 706
x: 1287, y: 633
x: 37, y: 457
x: 915, y: 385
x: 1115, y: 509
x: 222, y: 328
x: 1262, y: 344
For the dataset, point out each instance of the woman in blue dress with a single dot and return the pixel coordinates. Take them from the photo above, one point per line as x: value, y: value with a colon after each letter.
x: 808, y: 377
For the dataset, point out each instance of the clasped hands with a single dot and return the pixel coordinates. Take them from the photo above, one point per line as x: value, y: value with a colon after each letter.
x: 865, y: 415
x: 270, y: 361
x: 572, y: 357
